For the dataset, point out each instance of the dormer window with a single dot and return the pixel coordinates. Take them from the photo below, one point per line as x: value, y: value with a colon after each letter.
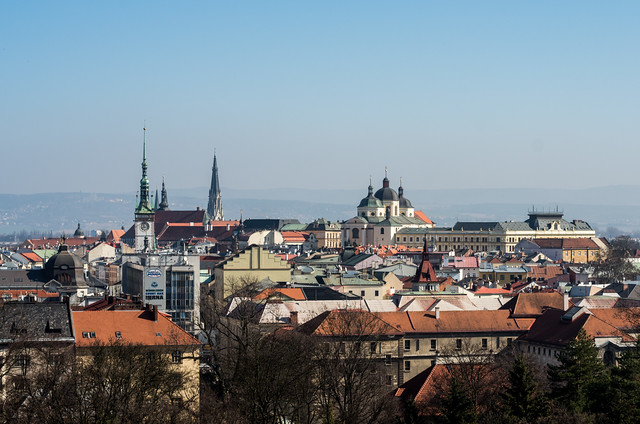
x: 118, y: 335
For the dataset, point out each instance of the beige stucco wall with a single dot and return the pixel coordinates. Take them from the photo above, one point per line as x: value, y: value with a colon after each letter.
x: 252, y: 265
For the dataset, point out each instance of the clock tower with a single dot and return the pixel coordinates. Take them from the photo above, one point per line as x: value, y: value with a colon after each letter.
x: 144, y: 215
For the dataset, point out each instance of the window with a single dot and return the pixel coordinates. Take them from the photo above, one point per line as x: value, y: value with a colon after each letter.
x: 381, y: 230
x: 407, y: 365
x: 497, y: 341
x: 176, y: 357
x: 410, y: 238
x: 23, y: 361
x: 88, y: 335
x: 387, y: 359
x: 509, y: 339
x: 362, y: 293
x: 407, y: 345
x: 404, y: 239
x: 355, y: 233
x: 389, y: 380
x: 484, y: 343
x: 158, y: 334
x: 458, y: 344
x: 377, y: 293
x: 343, y: 347
x: 374, y: 347
x: 118, y: 335
x: 417, y: 345
x: 433, y: 344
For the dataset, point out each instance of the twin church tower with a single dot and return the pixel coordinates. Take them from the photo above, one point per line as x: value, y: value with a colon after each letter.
x: 144, y: 222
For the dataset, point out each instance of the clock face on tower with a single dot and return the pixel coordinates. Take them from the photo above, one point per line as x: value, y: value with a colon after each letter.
x: 144, y: 226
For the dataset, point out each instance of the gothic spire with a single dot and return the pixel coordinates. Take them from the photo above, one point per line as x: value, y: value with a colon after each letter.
x: 155, y: 201
x: 144, y: 206
x: 214, y: 207
x: 164, y: 204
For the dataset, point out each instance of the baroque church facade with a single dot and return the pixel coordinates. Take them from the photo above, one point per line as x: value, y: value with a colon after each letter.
x: 380, y: 215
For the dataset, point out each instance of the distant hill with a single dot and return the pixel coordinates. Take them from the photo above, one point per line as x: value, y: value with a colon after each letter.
x: 603, y: 207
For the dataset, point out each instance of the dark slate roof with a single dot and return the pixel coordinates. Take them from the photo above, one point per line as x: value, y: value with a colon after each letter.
x: 356, y: 259
x: 324, y: 293
x: 474, y: 226
x: 387, y: 193
x: 36, y: 321
x: 22, y: 278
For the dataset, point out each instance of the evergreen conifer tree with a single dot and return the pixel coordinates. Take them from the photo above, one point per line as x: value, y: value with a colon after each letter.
x: 625, y: 388
x: 522, y: 398
x: 580, y: 380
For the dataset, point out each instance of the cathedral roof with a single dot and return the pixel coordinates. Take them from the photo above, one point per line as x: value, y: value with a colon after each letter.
x: 404, y: 202
x: 78, y: 232
x: 370, y: 201
x: 386, y: 193
x: 66, y: 268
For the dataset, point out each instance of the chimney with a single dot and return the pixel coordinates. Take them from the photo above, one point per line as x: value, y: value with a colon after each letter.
x: 227, y: 227
x: 293, y: 317
x: 197, y: 208
x: 437, y: 312
x: 565, y: 301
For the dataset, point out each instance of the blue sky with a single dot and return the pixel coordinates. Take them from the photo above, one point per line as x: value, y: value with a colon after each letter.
x: 319, y: 94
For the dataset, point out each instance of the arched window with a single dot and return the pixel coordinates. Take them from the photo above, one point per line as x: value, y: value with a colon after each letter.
x: 355, y: 233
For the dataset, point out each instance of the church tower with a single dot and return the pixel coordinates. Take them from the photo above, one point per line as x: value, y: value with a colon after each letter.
x: 214, y: 207
x: 164, y: 204
x: 144, y: 214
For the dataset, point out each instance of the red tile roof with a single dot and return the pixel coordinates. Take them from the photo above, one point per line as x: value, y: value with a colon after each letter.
x: 293, y: 236
x: 551, y: 329
x: 420, y: 215
x: 344, y: 323
x: 231, y: 223
x: 292, y: 293
x: 566, y: 243
x: 544, y: 272
x: 115, y: 235
x: 454, y: 321
x: 31, y: 256
x: 15, y: 294
x: 487, y: 290
x: 135, y: 327
x: 425, y: 272
x: 533, y: 304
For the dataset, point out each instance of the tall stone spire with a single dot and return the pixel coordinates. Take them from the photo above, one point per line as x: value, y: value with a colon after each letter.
x: 144, y: 206
x: 145, y: 215
x: 214, y: 207
x: 164, y: 204
x: 155, y: 201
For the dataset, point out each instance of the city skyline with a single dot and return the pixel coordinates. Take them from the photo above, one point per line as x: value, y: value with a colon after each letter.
x: 319, y: 96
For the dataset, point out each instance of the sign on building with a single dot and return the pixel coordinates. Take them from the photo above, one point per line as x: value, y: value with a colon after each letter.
x: 154, y: 287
